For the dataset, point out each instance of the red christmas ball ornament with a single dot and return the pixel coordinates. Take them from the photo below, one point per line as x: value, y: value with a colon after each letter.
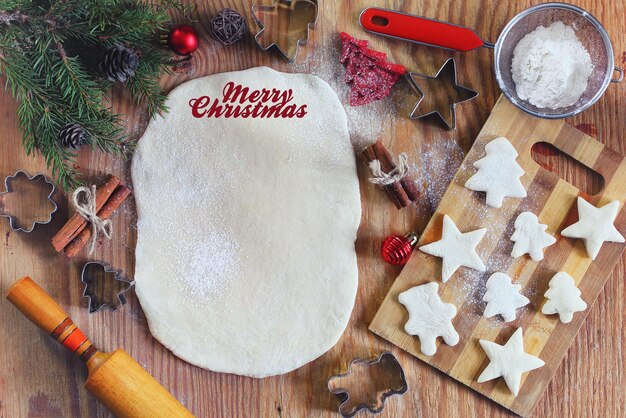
x: 183, y: 39
x: 397, y: 249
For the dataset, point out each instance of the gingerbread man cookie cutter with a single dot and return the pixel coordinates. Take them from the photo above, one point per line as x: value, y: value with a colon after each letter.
x: 381, y: 376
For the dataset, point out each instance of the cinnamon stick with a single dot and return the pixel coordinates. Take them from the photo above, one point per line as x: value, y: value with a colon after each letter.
x: 409, y: 186
x: 77, y: 223
x: 111, y: 205
x: 411, y: 189
x: 371, y: 156
x: 387, y: 165
x: 403, y: 192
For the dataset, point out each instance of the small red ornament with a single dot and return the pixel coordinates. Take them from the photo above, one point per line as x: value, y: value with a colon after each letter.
x: 397, y: 249
x: 183, y: 39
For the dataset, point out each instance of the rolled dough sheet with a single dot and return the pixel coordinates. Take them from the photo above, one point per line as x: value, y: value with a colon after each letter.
x: 245, y: 259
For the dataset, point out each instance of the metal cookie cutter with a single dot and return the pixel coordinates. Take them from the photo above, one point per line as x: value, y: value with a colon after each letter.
x: 285, y: 24
x: 367, y: 384
x: 104, y: 286
x: 442, y: 99
x: 29, y: 205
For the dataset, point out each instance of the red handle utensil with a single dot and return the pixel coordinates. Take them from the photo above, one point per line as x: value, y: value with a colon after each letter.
x: 420, y: 30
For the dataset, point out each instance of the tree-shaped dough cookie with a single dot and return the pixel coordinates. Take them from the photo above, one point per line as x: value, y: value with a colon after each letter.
x: 429, y: 317
x: 498, y: 173
x: 530, y: 237
x: 563, y: 298
x: 503, y: 297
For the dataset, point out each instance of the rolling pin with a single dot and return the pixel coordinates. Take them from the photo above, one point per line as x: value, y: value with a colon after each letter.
x: 118, y: 381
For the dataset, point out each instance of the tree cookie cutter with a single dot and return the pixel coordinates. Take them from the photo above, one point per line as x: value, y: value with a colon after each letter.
x: 104, y: 286
x: 27, y: 201
x: 285, y: 25
x: 367, y: 384
x: 444, y: 98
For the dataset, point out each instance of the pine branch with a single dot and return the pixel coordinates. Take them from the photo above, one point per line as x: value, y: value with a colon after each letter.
x: 144, y: 87
x: 49, y: 50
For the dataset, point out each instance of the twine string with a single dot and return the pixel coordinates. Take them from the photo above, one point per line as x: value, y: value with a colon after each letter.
x: 381, y: 178
x: 84, y: 200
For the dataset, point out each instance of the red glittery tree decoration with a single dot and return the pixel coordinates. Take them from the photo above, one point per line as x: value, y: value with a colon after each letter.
x: 368, y: 73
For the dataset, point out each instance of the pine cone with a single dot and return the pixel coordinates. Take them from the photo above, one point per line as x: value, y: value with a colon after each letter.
x: 72, y: 136
x: 119, y: 63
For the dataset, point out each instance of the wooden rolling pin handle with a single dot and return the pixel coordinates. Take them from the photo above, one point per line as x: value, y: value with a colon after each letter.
x: 117, y: 380
x: 43, y: 311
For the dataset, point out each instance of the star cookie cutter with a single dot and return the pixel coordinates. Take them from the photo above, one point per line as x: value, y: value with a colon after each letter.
x: 30, y: 189
x: 382, y: 376
x: 293, y: 19
x: 444, y: 102
x: 103, y: 290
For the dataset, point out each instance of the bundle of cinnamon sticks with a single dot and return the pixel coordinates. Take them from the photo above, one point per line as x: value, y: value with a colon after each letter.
x: 402, y: 192
x: 77, y: 232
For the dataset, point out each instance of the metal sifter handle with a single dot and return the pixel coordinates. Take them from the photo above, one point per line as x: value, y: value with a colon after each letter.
x: 620, y: 77
x: 420, y: 30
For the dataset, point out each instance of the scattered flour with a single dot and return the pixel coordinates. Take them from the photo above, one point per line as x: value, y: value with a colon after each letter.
x: 438, y: 163
x: 323, y: 61
x: 551, y: 67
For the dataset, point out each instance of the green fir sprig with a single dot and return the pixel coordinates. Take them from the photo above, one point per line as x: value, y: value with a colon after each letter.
x: 49, y: 54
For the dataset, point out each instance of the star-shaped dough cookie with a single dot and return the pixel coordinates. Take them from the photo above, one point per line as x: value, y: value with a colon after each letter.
x: 594, y: 226
x: 429, y: 317
x: 456, y: 249
x: 503, y: 297
x: 563, y: 298
x: 509, y: 361
x: 530, y: 237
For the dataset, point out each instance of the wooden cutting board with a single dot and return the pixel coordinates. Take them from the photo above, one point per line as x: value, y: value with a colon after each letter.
x: 553, y: 200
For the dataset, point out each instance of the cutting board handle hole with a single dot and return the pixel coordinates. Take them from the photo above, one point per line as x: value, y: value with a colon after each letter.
x: 567, y: 168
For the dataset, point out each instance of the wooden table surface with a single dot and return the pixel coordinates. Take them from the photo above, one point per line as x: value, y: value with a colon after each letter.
x: 39, y: 379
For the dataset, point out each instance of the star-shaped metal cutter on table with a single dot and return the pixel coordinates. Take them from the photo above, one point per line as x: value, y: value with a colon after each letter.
x: 443, y: 102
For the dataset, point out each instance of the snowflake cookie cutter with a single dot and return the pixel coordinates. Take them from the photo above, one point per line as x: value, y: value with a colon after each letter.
x: 29, y: 188
x: 294, y: 19
x: 101, y: 289
x: 445, y: 101
x: 384, y: 374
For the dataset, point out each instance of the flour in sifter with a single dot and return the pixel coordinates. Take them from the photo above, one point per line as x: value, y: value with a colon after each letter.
x: 551, y: 67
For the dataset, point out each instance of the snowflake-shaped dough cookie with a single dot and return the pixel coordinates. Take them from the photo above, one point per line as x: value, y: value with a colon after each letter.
x: 530, y: 237
x: 456, y: 249
x: 429, y: 317
x: 503, y: 297
x: 595, y: 225
x: 498, y: 173
x: 563, y: 298
x: 509, y: 361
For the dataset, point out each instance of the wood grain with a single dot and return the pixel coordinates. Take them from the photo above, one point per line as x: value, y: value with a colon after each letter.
x: 554, y: 202
x: 37, y: 378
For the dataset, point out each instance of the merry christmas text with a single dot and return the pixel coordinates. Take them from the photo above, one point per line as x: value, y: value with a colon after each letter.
x: 242, y: 102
